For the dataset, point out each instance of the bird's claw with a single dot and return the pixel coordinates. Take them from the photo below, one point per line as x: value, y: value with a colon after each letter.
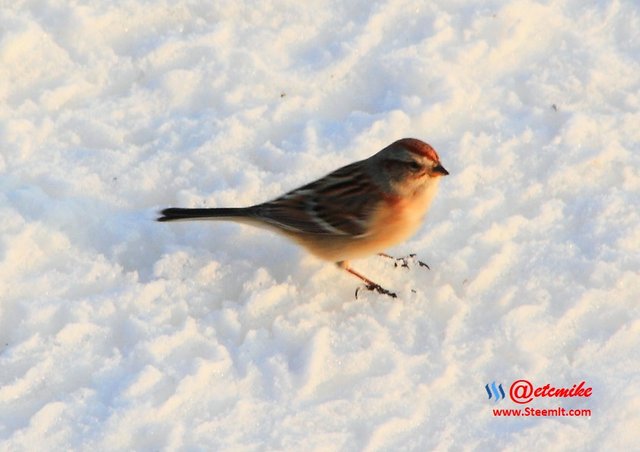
x: 378, y: 288
x: 403, y: 262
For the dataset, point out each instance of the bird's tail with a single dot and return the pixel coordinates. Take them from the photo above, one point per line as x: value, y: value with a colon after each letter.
x: 178, y: 213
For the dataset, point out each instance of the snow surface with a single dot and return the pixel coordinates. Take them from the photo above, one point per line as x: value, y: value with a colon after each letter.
x: 121, y: 333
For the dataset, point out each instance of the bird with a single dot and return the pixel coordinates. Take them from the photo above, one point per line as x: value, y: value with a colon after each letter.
x: 356, y: 211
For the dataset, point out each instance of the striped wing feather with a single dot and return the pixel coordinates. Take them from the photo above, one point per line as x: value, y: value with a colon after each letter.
x: 341, y: 203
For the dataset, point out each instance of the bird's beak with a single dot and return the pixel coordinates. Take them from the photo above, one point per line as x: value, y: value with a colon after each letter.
x: 439, y: 169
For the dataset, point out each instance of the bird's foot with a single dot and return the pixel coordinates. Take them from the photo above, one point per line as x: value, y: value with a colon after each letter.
x: 378, y: 288
x: 404, y: 261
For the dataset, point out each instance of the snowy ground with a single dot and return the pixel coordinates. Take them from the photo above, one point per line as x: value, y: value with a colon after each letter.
x: 120, y: 333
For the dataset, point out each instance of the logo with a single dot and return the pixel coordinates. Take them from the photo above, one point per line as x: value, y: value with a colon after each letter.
x: 496, y: 392
x: 523, y: 392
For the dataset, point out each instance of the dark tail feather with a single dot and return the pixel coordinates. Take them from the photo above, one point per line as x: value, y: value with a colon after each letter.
x: 178, y: 213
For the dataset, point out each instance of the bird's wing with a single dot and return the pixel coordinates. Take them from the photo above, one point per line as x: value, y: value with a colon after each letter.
x: 341, y: 203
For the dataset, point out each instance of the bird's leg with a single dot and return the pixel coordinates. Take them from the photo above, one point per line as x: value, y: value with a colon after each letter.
x: 370, y: 285
x: 404, y: 261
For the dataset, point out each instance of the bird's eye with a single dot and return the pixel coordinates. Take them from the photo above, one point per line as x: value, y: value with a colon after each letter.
x: 415, y: 166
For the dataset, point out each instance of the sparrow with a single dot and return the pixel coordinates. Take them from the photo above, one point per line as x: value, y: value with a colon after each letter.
x: 356, y: 211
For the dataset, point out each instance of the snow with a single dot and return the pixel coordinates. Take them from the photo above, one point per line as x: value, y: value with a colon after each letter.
x: 121, y: 333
